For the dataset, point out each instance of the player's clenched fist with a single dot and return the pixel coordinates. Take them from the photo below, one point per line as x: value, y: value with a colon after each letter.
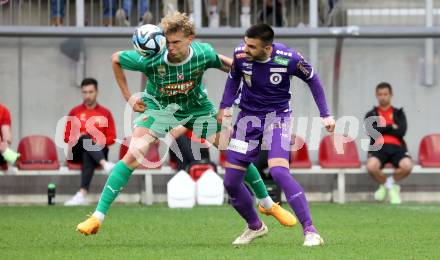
x: 224, y: 114
x: 329, y: 123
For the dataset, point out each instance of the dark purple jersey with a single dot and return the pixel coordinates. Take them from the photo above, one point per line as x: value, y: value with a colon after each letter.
x: 266, y: 85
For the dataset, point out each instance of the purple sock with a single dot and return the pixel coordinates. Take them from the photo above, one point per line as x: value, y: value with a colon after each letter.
x: 241, y: 198
x: 294, y: 195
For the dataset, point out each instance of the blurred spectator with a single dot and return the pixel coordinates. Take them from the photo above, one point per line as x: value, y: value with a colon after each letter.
x: 187, y: 142
x: 169, y: 6
x: 392, y: 148
x: 58, y: 8
x: 245, y: 17
x: 7, y: 155
x: 331, y: 5
x: 268, y: 12
x: 123, y: 15
x: 329, y: 13
x: 89, y: 137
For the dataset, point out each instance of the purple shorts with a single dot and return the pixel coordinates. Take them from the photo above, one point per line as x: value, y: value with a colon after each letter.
x: 254, y: 133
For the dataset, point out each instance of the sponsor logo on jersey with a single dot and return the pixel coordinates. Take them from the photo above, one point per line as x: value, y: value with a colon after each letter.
x: 180, y: 76
x: 285, y: 53
x: 161, y: 70
x: 281, y: 70
x: 178, y: 88
x: 238, y: 146
x: 240, y: 55
x: 275, y: 78
x: 280, y: 60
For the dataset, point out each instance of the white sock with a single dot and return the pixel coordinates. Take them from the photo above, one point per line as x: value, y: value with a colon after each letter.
x: 212, y: 9
x: 99, y: 215
x: 267, y: 202
x: 245, y: 9
x: 389, y: 183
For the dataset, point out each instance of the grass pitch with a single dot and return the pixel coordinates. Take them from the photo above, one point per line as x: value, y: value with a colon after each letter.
x: 352, y: 231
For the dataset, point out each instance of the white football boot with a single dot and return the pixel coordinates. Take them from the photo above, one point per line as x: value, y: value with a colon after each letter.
x: 312, y: 239
x: 249, y: 235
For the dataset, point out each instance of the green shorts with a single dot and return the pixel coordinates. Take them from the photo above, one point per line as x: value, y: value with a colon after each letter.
x: 203, y: 123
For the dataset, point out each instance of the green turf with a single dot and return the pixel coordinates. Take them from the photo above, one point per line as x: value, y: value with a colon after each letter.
x: 368, y: 231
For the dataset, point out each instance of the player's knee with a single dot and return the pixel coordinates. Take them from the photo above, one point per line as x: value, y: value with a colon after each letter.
x: 372, y: 165
x: 406, y: 165
x: 279, y: 173
x: 130, y: 160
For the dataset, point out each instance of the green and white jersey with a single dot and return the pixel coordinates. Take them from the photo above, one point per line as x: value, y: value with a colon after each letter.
x: 178, y: 83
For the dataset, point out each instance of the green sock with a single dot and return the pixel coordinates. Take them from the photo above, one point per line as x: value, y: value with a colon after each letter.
x: 253, y: 178
x: 116, y: 181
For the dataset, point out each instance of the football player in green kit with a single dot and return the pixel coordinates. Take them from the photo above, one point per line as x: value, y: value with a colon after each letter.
x: 174, y: 96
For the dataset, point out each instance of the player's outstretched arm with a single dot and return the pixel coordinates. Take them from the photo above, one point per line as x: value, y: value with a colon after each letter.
x: 303, y: 70
x: 121, y: 79
x: 226, y: 63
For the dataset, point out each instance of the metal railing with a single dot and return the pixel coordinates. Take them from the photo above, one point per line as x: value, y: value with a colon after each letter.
x: 279, y: 13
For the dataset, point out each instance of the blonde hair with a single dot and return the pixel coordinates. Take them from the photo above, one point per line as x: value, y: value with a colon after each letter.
x: 177, y: 22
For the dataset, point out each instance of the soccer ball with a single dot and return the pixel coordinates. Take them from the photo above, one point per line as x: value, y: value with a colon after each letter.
x: 148, y: 40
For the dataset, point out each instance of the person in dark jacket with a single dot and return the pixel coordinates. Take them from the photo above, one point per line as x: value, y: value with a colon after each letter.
x: 387, y: 145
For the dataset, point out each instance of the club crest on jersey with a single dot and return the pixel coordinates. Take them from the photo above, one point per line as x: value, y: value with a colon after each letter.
x: 275, y: 78
x: 280, y: 60
x: 180, y: 76
x: 161, y: 70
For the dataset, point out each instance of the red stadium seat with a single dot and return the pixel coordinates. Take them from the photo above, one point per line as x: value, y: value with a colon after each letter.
x: 299, y: 155
x: 4, y: 167
x: 37, y: 153
x: 196, y: 170
x: 151, y: 156
x: 338, y: 151
x: 73, y: 165
x: 429, y: 151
